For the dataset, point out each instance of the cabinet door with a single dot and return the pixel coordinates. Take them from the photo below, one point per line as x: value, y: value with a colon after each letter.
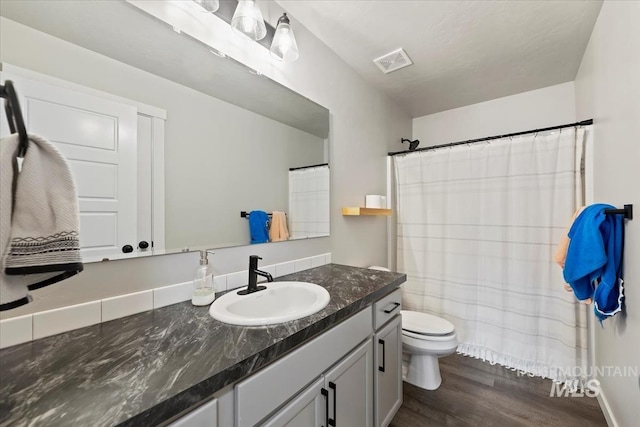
x: 350, y: 385
x: 309, y: 409
x: 388, y: 371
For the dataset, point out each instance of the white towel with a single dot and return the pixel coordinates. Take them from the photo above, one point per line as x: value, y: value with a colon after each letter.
x: 39, y: 225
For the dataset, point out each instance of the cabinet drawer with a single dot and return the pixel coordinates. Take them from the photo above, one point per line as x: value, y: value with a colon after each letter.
x: 386, y: 308
x: 204, y: 416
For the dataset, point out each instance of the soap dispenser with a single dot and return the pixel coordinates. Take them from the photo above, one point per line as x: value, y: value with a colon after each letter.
x: 203, y: 291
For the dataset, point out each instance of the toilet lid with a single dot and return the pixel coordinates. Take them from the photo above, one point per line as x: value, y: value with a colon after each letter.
x: 425, y: 324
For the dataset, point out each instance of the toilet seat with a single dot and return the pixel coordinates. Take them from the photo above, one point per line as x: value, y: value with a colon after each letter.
x: 432, y: 338
x: 425, y: 326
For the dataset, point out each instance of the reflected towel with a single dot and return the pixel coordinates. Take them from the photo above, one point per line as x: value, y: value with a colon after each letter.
x: 40, y: 225
x: 258, y: 227
x: 561, y: 251
x: 278, y: 231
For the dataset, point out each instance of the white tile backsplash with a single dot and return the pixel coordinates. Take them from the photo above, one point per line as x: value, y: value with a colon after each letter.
x: 16, y: 330
x: 220, y: 283
x: 302, y: 264
x: 327, y: 258
x: 238, y: 279
x: 284, y: 268
x: 65, y: 319
x: 126, y: 305
x: 317, y: 261
x: 172, y: 294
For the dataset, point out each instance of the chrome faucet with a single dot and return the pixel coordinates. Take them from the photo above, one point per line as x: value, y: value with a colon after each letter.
x: 253, y: 277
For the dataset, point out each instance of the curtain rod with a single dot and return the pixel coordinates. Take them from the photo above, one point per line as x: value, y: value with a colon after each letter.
x: 309, y: 167
x: 471, y: 141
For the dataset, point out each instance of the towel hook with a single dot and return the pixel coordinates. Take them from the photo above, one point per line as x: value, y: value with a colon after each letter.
x: 14, y: 117
x: 626, y: 212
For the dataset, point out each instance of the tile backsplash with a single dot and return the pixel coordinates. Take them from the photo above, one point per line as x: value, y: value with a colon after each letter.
x: 18, y: 330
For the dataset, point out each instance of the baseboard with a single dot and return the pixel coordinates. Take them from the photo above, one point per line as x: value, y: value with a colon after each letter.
x: 606, y: 410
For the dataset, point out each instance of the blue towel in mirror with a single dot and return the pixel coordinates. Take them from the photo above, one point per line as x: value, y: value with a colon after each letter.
x: 258, y: 226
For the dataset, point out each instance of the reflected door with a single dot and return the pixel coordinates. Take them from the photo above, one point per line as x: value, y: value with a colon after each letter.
x: 98, y: 138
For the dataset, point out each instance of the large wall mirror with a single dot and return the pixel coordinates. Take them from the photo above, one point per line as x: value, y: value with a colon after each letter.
x: 169, y: 140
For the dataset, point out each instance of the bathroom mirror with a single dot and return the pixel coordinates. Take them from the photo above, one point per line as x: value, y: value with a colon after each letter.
x: 219, y: 138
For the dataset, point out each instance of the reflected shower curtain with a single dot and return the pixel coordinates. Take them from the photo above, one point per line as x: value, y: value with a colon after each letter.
x: 309, y: 202
x: 477, y: 228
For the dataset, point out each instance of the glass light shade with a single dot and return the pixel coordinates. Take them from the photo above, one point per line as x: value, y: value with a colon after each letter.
x: 284, y: 47
x: 208, y: 5
x: 248, y: 21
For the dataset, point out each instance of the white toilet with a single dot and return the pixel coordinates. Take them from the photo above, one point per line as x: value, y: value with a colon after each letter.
x: 425, y: 338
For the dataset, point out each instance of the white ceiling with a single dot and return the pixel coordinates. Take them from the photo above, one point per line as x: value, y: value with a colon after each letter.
x: 464, y: 52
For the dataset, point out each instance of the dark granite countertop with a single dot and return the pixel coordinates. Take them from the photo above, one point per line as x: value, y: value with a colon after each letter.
x: 146, y: 368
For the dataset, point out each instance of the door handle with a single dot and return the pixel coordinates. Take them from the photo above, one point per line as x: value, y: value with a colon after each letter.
x: 143, y: 244
x: 332, y: 386
x: 395, y: 305
x: 325, y: 393
x: 381, y: 368
x: 127, y: 249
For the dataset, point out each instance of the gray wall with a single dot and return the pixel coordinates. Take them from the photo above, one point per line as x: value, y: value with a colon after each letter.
x: 363, y: 121
x: 608, y: 89
x: 553, y: 105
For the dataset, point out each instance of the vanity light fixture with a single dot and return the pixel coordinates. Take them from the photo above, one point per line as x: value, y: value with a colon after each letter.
x: 208, y: 5
x: 284, y: 47
x: 248, y: 21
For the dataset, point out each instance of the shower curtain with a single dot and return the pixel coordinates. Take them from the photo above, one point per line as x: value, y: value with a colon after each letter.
x: 477, y: 228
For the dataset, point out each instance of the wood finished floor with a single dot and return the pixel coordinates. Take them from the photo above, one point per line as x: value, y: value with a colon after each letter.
x: 475, y: 393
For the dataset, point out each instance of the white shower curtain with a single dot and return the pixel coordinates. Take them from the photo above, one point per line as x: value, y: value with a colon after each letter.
x: 477, y: 228
x: 309, y: 202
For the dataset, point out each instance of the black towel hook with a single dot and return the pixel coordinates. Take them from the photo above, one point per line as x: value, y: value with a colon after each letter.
x: 14, y: 116
x: 626, y: 212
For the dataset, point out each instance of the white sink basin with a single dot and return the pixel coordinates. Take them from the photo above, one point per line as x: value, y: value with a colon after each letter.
x: 280, y: 302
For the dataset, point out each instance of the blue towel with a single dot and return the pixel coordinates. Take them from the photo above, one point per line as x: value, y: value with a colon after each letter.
x: 594, y: 257
x: 258, y: 226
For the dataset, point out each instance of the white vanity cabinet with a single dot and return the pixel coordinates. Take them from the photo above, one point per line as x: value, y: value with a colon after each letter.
x: 388, y: 372
x: 331, y: 356
x: 388, y: 357
x: 204, y: 416
x: 308, y: 409
x: 349, y: 376
x: 342, y: 397
x: 350, y: 386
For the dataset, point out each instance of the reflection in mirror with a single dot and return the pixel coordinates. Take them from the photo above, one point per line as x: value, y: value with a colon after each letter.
x: 169, y: 142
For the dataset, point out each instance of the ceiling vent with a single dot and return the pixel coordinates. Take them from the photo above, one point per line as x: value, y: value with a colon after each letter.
x: 393, y: 61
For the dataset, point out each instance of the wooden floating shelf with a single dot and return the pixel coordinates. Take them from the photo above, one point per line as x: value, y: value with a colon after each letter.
x: 365, y: 211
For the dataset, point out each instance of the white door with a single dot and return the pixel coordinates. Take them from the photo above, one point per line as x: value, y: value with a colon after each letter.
x: 98, y: 138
